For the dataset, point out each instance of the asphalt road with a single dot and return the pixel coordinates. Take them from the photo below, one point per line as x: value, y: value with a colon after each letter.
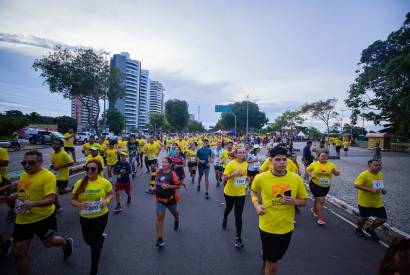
x: 200, y: 246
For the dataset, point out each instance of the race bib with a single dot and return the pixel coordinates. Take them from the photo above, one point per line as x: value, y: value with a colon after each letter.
x: 228, y: 161
x: 19, y: 209
x: 240, y: 180
x: 257, y: 165
x: 193, y: 159
x: 93, y: 207
x: 217, y: 163
x: 324, y: 181
x: 378, y: 184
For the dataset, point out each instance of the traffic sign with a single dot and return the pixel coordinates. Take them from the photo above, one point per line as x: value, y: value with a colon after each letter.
x: 223, y: 108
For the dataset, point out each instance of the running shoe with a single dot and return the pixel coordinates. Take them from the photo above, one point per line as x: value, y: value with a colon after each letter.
x: 206, y: 196
x: 314, y: 212
x: 198, y: 188
x: 217, y: 184
x: 372, y: 234
x: 321, y: 221
x: 359, y: 233
x: 117, y: 209
x: 176, y: 225
x: 129, y: 200
x: 224, y: 222
x: 239, y: 243
x: 160, y: 243
x: 58, y: 210
x: 68, y: 248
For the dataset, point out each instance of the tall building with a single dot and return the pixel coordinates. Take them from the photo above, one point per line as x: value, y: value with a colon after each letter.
x: 79, y: 112
x: 128, y: 105
x: 156, y: 97
x: 144, y: 98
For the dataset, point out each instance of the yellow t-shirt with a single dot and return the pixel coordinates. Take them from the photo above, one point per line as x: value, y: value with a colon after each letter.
x: 279, y: 218
x: 369, y: 180
x: 346, y: 144
x: 122, y: 145
x: 100, y: 158
x: 61, y: 158
x: 3, y: 169
x: 87, y: 146
x: 151, y: 150
x: 191, y: 155
x: 225, y: 158
x: 181, y: 145
x: 103, y: 148
x: 141, y: 142
x: 35, y: 188
x: 69, y: 140
x: 111, y: 156
x: 236, y: 186
x: 267, y: 166
x: 94, y: 192
x: 338, y: 142
x: 322, y: 173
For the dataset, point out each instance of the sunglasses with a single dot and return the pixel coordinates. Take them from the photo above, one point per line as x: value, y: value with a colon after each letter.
x: 30, y: 162
x: 92, y: 169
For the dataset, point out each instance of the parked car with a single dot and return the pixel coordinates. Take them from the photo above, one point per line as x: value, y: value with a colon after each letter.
x: 44, y: 136
x: 82, y: 137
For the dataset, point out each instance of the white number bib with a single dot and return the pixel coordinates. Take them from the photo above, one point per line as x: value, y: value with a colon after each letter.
x: 228, y: 161
x: 93, y: 207
x: 193, y: 159
x: 257, y: 165
x: 378, y: 184
x: 324, y: 181
x: 19, y: 209
x: 240, y: 180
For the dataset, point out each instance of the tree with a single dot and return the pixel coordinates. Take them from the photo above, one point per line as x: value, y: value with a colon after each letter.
x: 321, y: 110
x: 381, y: 91
x: 176, y: 113
x: 115, y: 120
x: 256, y: 118
x: 12, y: 122
x: 313, y: 132
x: 195, y: 126
x: 64, y: 123
x: 157, y: 121
x: 289, y: 119
x: 116, y: 88
x: 354, y: 130
x: 80, y: 73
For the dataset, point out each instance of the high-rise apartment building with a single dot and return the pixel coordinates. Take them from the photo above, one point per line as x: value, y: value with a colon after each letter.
x: 144, y: 97
x: 129, y: 104
x: 80, y: 112
x: 156, y: 97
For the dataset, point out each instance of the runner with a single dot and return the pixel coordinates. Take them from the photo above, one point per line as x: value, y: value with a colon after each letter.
x: 122, y: 170
x: 151, y: 154
x: 204, y: 155
x: 307, y: 157
x: 133, y: 147
x: 35, y: 199
x: 369, y: 199
x: 254, y: 163
x: 69, y: 139
x: 321, y: 173
x: 178, y: 164
x: 338, y: 145
x: 4, y: 162
x: 111, y: 154
x: 227, y: 156
x: 167, y: 197
x: 280, y: 191
x: 103, y: 148
x: 86, y: 146
x: 235, y: 176
x: 377, y: 154
x: 346, y: 145
x: 320, y: 149
x: 218, y: 165
x: 92, y: 195
x: 192, y: 161
x: 141, y: 142
x: 294, y: 159
x: 94, y: 155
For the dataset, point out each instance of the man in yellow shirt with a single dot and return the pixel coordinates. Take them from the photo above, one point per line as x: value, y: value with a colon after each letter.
x: 369, y: 199
x: 60, y: 163
x: 346, y: 145
x: 69, y: 139
x: 151, y: 151
x: 280, y: 191
x: 338, y: 145
x: 86, y: 147
x: 141, y: 142
x: 5, y: 180
x: 95, y: 155
x: 35, y: 198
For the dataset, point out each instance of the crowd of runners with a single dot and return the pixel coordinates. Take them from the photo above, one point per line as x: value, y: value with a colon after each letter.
x: 263, y: 169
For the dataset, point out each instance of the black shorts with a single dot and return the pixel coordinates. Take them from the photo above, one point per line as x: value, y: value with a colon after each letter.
x: 318, y: 191
x: 69, y: 149
x: 274, y: 246
x: 151, y: 162
x: 62, y: 183
x: 338, y: 148
x: 252, y: 173
x: 192, y: 164
x: 219, y: 168
x: 44, y: 229
x: 346, y: 149
x: 366, y: 212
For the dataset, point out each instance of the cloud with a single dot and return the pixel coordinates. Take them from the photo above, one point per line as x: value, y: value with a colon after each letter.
x: 30, y: 40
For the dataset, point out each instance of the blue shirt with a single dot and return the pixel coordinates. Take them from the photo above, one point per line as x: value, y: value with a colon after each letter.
x: 127, y: 167
x: 204, y: 154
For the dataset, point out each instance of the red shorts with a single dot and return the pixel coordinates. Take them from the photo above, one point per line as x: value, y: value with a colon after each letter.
x: 122, y: 186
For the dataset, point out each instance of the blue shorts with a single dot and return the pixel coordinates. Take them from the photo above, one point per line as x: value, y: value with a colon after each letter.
x: 379, y: 212
x: 161, y: 207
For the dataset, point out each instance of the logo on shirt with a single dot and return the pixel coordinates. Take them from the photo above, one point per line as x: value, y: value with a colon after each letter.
x: 279, y: 191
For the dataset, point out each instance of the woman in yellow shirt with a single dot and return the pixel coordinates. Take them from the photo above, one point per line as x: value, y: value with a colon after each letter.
x: 91, y: 195
x: 112, y: 157
x: 321, y: 173
x: 192, y: 161
x: 235, y: 180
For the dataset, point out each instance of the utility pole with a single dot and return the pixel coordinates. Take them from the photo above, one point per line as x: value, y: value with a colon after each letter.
x: 341, y: 120
x: 247, y: 114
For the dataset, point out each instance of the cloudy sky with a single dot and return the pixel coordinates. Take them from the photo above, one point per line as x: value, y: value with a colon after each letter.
x: 281, y: 53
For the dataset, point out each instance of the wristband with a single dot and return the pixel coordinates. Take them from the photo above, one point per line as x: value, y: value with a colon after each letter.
x: 107, y: 201
x: 255, y: 199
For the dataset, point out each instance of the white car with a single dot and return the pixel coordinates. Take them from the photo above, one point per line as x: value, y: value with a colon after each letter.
x: 82, y: 137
